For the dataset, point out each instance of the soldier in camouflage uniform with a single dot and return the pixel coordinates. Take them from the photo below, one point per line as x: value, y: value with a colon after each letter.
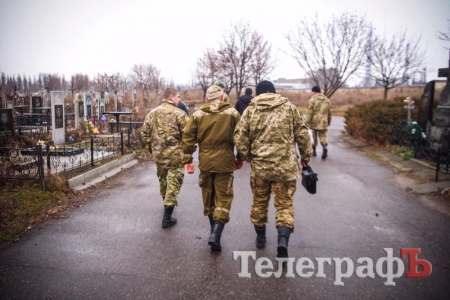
x: 162, y: 133
x: 319, y: 118
x: 212, y: 128
x: 266, y: 136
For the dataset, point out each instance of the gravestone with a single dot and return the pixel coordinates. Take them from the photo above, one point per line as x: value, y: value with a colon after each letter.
x: 6, y: 120
x: 36, y: 101
x: 87, y: 113
x: 78, y: 110
x: 441, y: 121
x: 104, y: 98
x: 47, y: 100
x: 58, y: 124
x: 119, y: 102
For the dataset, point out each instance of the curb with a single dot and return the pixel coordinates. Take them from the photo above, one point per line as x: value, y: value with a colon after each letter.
x: 97, y: 172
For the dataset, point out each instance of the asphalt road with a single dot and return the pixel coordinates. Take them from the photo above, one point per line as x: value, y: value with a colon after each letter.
x: 113, y: 247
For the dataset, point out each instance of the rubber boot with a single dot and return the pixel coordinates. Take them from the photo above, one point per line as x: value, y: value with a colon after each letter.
x: 325, y: 151
x: 283, y: 240
x: 167, y: 218
x: 260, y: 237
x: 214, y: 239
x: 211, y: 222
x: 314, y: 151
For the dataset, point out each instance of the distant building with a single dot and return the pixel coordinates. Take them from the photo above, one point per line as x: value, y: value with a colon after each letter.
x: 295, y: 84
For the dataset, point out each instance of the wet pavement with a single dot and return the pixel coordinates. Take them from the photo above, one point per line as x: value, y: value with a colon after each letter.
x: 113, y: 247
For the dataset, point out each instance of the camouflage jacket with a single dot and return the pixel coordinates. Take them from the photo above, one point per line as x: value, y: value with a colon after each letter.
x: 266, y: 136
x: 319, y: 112
x: 162, y: 133
x: 212, y: 128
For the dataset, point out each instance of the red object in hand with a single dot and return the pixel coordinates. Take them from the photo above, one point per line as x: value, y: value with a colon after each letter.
x: 238, y: 164
x: 190, y: 168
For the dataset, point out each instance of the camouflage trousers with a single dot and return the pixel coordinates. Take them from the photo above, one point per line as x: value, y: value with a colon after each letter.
x: 322, y: 136
x: 217, y: 194
x: 170, y: 181
x: 283, y: 199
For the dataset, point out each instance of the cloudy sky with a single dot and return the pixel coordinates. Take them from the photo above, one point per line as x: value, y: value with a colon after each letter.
x: 110, y: 36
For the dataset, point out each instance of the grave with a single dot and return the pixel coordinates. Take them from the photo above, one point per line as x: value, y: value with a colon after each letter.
x: 36, y: 102
x: 6, y: 120
x: 58, y: 124
x: 79, y: 110
x: 87, y: 107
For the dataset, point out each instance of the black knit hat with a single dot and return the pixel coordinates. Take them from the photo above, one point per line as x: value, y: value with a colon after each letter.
x: 265, y: 86
x: 315, y: 89
x: 248, y: 91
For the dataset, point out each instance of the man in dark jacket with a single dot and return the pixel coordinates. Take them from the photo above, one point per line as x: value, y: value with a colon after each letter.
x: 243, y: 101
x: 212, y: 127
x: 183, y: 107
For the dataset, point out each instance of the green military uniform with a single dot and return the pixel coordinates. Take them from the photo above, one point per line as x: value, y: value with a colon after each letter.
x: 266, y: 136
x: 212, y: 127
x: 162, y: 133
x: 319, y: 117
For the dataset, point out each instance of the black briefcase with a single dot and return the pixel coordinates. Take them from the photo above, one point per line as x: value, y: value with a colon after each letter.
x: 309, y: 179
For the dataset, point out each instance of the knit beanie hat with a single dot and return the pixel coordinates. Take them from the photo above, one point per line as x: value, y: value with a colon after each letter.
x: 315, y: 89
x: 248, y: 91
x: 214, y: 92
x: 265, y: 86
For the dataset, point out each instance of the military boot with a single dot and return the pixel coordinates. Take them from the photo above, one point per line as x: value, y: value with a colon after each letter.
x: 211, y: 222
x: 167, y: 218
x: 260, y: 236
x: 214, y: 239
x: 314, y: 151
x: 325, y: 151
x: 283, y: 240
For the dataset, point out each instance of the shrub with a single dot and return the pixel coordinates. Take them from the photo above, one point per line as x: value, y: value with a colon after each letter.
x: 370, y: 121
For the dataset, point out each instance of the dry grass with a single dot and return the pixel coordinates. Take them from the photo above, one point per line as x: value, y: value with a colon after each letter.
x: 24, y: 204
x: 341, y: 100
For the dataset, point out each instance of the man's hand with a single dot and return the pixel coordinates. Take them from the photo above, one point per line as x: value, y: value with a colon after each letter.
x: 190, y: 168
x: 238, y: 164
x: 304, y: 163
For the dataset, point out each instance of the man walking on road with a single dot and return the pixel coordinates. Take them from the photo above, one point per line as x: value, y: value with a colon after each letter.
x: 319, y: 118
x: 212, y: 127
x: 162, y: 133
x: 266, y: 136
x: 243, y: 101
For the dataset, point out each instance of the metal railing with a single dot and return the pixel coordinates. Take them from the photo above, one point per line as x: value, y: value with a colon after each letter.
x: 15, y: 165
x: 65, y: 160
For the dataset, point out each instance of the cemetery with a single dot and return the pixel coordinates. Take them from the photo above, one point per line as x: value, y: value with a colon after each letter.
x: 49, y: 133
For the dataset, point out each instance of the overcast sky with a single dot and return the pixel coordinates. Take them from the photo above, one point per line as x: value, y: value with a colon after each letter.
x: 110, y: 36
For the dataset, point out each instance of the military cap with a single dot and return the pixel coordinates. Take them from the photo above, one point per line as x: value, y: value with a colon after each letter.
x: 315, y: 89
x: 214, y: 92
x: 265, y: 86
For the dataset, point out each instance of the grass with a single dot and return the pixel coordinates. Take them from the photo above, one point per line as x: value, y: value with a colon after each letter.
x: 24, y: 204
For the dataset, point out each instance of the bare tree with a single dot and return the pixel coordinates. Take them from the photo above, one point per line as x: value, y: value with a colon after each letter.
x: 146, y: 77
x: 338, y: 45
x: 107, y: 82
x: 262, y: 63
x: 445, y: 36
x: 394, y: 59
x: 205, y: 71
x: 52, y: 82
x: 80, y: 82
x: 237, y: 52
